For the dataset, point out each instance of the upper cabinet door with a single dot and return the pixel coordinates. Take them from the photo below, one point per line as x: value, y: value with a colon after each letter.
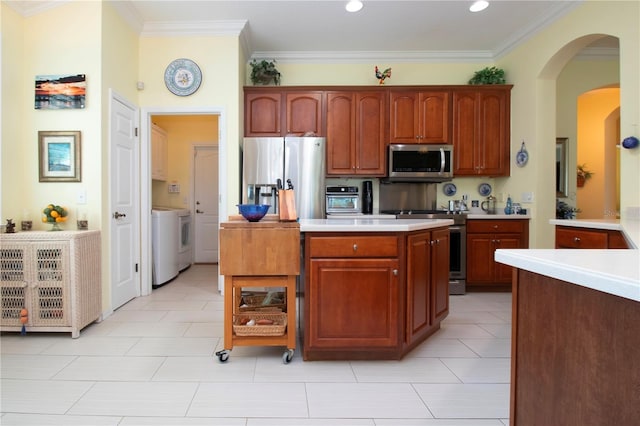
x: 481, y: 131
x: 370, y: 133
x: 404, y: 117
x: 420, y: 117
x: 341, y: 133
x: 304, y: 114
x: 262, y: 113
x: 435, y: 113
x: 356, y: 133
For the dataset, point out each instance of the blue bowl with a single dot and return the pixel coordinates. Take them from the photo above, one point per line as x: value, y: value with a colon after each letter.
x: 253, y: 212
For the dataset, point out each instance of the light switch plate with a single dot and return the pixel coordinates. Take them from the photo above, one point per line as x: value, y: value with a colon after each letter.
x: 82, y: 197
x: 527, y: 197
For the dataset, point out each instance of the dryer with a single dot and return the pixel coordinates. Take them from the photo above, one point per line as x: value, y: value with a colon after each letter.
x: 185, y: 252
x: 164, y: 245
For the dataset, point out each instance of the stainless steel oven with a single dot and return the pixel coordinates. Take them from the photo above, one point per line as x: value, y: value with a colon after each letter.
x: 342, y: 199
x: 458, y: 258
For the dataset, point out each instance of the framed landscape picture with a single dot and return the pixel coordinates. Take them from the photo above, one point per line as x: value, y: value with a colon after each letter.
x: 59, y: 156
x: 60, y: 91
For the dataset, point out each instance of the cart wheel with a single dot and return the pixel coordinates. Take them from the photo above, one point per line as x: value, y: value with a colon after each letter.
x: 287, y: 356
x: 223, y: 355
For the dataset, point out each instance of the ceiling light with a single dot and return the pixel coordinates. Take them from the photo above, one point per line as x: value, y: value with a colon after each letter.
x: 479, y: 6
x: 353, y: 6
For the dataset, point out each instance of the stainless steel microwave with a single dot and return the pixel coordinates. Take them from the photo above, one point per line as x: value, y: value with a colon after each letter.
x: 420, y: 163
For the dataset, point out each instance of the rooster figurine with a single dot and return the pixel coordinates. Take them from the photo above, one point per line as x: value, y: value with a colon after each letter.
x: 382, y: 75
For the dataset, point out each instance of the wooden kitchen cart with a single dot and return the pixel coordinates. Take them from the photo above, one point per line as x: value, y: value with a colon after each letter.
x: 263, y: 254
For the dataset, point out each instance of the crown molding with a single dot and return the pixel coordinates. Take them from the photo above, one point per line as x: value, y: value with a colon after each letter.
x: 526, y: 32
x: 373, y: 56
x: 29, y: 9
x: 193, y: 28
x: 129, y: 13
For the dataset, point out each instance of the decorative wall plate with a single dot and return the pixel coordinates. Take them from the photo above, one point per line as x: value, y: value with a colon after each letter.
x: 484, y: 189
x: 182, y: 77
x: 522, y: 156
x: 449, y: 189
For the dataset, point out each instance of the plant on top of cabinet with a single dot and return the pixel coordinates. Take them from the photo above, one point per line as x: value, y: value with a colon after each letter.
x: 488, y: 75
x: 264, y: 72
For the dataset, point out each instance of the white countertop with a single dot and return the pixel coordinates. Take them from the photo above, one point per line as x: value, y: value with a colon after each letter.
x: 360, y: 216
x: 361, y: 224
x: 614, y: 272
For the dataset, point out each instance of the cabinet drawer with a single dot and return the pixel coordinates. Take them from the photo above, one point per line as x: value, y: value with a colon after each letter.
x: 354, y: 246
x: 495, y: 225
x: 573, y: 238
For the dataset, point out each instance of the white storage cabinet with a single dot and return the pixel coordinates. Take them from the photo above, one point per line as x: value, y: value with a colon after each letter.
x: 56, y: 276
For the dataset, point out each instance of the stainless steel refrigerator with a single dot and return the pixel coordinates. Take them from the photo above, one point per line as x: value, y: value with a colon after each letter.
x: 266, y: 162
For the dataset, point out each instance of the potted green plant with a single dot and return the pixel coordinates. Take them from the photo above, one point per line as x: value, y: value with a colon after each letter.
x: 488, y: 75
x: 264, y: 72
x: 583, y: 174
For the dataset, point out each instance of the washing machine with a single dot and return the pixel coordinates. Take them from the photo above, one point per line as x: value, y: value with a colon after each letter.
x: 164, y: 245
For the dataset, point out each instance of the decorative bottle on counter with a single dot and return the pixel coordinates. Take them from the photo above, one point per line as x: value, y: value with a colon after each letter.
x: 509, y: 207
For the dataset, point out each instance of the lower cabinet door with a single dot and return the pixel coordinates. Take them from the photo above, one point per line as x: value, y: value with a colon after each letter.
x: 353, y: 303
x: 480, y: 265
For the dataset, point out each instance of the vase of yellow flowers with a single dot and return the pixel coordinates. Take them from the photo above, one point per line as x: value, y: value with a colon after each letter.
x: 55, y: 215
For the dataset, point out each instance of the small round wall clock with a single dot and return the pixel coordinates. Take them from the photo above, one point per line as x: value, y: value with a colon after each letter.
x: 182, y: 77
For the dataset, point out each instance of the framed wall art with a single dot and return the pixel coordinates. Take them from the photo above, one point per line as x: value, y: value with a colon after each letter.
x: 59, y: 156
x: 60, y: 91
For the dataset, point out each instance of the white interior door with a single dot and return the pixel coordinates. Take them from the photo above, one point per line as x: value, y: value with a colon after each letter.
x: 124, y: 202
x: 206, y: 183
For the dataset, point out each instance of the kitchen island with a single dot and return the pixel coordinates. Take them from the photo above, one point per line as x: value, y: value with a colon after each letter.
x: 373, y: 288
x: 576, y: 333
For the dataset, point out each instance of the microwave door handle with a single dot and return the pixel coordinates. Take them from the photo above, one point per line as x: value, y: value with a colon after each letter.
x: 442, y: 162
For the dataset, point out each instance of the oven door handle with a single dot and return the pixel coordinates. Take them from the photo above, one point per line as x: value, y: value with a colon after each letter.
x: 442, y: 161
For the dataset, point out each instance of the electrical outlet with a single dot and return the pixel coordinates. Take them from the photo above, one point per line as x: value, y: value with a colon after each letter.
x: 527, y: 197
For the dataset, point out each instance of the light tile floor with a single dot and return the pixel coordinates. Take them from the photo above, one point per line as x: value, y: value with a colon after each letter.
x: 152, y: 363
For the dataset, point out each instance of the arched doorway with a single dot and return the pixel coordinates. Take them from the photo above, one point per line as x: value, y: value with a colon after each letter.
x: 587, y: 77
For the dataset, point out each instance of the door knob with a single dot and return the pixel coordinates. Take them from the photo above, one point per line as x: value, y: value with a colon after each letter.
x: 117, y: 215
x: 199, y: 211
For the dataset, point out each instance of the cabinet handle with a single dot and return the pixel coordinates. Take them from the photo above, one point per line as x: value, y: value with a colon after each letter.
x: 497, y: 242
x: 495, y: 226
x: 355, y: 247
x: 395, y: 272
x: 576, y: 239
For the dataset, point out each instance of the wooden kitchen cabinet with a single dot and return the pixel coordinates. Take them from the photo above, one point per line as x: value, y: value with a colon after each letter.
x: 574, y: 354
x: 159, y: 153
x: 356, y: 140
x: 419, y: 116
x: 427, y: 283
x: 278, y: 112
x: 484, y: 237
x: 481, y: 131
x: 588, y: 238
x: 373, y: 295
x: 303, y: 113
x: 352, y: 295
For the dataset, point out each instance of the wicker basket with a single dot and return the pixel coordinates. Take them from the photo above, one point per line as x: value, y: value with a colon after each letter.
x: 255, y: 302
x: 276, y: 329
